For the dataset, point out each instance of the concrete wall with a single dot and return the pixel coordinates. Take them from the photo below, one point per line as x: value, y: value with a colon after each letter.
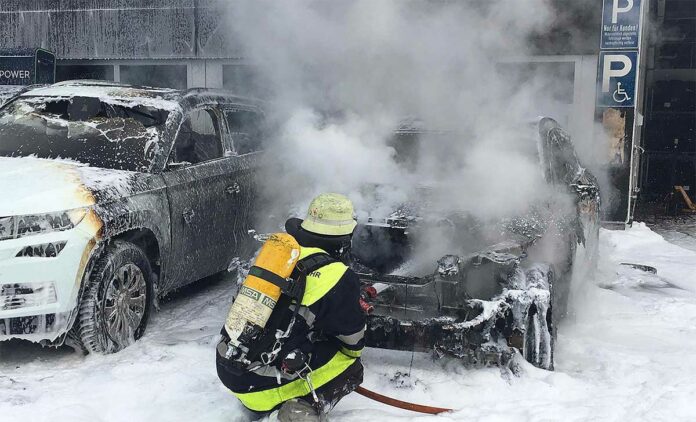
x: 200, y: 73
x: 119, y: 29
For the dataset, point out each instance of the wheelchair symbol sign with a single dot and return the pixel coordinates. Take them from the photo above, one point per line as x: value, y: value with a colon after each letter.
x: 620, y: 94
x: 617, y: 78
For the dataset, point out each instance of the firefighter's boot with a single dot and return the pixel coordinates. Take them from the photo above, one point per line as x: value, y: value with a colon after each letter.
x: 298, y: 411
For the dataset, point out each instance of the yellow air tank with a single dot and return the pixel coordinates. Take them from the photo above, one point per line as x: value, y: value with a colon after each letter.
x: 257, y: 297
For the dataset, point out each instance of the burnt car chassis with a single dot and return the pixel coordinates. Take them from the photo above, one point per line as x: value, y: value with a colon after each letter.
x: 486, y: 306
x: 480, y: 332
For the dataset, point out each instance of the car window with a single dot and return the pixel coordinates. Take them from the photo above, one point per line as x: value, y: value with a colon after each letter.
x: 198, y: 139
x: 245, y: 130
x: 103, y: 133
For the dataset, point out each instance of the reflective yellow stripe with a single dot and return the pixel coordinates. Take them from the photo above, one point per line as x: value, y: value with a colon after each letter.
x: 351, y: 353
x: 262, y: 401
x: 306, y: 251
x: 321, y: 281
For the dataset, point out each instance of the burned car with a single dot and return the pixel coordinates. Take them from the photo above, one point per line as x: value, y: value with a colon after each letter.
x: 500, y: 285
x: 112, y: 197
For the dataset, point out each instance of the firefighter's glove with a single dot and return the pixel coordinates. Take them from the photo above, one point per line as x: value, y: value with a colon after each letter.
x: 294, y: 362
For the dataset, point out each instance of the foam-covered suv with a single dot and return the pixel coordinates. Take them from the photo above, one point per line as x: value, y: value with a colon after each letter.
x: 111, y: 196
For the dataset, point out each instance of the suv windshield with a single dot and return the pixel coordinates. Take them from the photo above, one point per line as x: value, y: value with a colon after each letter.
x: 83, y: 129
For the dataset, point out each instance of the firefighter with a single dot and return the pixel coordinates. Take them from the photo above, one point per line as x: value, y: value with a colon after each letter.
x: 319, y: 362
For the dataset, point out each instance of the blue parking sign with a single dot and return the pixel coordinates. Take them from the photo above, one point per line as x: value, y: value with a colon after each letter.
x: 620, y: 24
x: 616, y: 79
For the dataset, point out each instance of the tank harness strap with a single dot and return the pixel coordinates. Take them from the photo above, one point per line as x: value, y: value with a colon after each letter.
x: 272, y: 340
x: 308, y: 265
x: 303, y: 268
x: 288, y: 286
x: 294, y: 286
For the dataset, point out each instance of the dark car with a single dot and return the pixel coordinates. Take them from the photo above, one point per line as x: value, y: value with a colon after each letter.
x: 112, y: 197
x: 501, y: 284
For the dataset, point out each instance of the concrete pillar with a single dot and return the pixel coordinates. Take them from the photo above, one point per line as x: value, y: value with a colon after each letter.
x: 584, y: 92
x: 213, y: 74
x: 195, y: 77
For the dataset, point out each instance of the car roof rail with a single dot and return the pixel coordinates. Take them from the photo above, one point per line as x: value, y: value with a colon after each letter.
x: 221, y: 92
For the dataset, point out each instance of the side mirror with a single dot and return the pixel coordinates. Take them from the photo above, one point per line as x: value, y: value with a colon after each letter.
x: 178, y: 166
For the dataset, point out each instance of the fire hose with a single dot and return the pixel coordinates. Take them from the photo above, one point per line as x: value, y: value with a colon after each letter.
x: 400, y: 404
x: 369, y: 292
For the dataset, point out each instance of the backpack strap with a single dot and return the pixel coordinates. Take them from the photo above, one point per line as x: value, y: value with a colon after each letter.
x: 295, y: 285
x: 308, y: 265
x: 293, y: 290
x: 287, y: 285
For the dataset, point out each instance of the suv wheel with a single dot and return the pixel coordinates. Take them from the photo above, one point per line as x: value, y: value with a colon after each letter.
x: 117, y: 301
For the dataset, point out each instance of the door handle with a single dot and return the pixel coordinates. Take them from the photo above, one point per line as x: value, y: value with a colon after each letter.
x: 233, y: 189
x: 188, y: 215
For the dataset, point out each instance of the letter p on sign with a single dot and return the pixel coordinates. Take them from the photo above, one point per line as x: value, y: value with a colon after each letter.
x: 615, y: 10
x: 608, y: 72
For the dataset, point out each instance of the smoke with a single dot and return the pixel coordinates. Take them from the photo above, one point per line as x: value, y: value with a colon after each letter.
x: 341, y: 76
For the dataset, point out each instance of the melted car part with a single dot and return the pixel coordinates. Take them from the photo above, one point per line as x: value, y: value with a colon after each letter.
x: 641, y: 267
x: 18, y: 296
x: 44, y: 250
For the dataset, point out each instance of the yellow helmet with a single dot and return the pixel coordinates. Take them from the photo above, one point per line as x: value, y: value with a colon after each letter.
x: 330, y: 214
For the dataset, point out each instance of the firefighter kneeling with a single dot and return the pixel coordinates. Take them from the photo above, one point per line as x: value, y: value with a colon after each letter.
x: 299, y: 360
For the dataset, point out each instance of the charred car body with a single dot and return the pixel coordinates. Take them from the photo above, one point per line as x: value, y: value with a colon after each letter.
x: 499, y: 290
x: 113, y: 196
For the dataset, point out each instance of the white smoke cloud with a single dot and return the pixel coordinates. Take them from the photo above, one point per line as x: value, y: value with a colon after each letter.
x: 344, y: 74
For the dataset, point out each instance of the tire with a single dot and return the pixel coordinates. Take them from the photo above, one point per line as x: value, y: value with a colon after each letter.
x: 117, y: 301
x: 538, y: 341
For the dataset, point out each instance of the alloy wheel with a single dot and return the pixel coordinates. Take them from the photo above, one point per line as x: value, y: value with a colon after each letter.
x: 125, y: 304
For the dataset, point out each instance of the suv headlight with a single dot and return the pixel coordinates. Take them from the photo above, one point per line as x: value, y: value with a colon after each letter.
x: 26, y: 225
